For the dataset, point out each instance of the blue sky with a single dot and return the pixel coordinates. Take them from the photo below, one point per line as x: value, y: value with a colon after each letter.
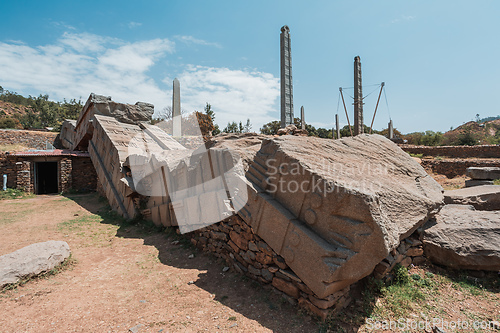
x: 439, y: 59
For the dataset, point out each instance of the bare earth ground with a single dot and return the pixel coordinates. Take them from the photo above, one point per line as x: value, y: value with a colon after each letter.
x: 134, y: 278
x: 450, y: 183
x: 128, y: 276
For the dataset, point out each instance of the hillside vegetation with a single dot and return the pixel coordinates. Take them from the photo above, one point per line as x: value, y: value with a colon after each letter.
x: 17, y: 111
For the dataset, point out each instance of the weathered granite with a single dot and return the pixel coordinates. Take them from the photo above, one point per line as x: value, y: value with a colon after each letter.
x: 461, y: 237
x: 485, y: 197
x: 32, y: 260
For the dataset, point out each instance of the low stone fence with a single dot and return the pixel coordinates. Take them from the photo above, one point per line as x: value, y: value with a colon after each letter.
x: 483, y: 151
x: 245, y: 252
x: 455, y: 167
x: 27, y: 139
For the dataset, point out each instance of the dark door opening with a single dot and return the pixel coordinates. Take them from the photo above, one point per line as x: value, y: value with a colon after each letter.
x: 46, y: 177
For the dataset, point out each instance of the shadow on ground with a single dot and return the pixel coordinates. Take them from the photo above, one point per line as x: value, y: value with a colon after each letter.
x: 238, y: 292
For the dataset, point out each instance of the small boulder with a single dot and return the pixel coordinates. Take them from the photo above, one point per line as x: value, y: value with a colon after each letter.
x: 32, y: 260
x: 484, y: 173
x: 476, y: 182
x: 461, y: 237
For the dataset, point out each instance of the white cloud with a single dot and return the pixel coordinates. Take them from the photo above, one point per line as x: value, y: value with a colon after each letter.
x: 235, y: 95
x: 133, y: 25
x: 191, y: 40
x: 78, y: 64
x: 403, y: 18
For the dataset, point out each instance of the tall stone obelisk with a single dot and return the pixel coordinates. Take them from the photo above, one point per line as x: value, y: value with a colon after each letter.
x: 286, y: 77
x: 358, y: 97
x: 176, y: 109
x: 302, y: 118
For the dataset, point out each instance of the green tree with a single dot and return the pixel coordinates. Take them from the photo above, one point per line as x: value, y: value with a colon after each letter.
x: 271, y: 128
x: 232, y: 127
x: 248, y: 126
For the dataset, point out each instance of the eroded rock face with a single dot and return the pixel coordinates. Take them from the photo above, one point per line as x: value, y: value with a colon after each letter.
x: 32, y: 260
x: 461, y: 237
x: 335, y: 208
x: 485, y: 197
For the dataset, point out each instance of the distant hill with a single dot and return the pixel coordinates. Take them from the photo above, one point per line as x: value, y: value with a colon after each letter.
x: 487, y: 119
x: 472, y: 133
x: 17, y: 111
x: 8, y: 109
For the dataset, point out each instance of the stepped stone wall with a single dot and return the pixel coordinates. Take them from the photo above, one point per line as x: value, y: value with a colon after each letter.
x: 481, y: 151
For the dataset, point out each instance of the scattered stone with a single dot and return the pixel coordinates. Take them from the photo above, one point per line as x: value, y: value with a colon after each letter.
x: 136, y: 328
x: 190, y: 282
x: 280, y: 262
x: 238, y: 240
x: 474, y: 182
x: 252, y: 247
x: 286, y: 287
x: 483, y: 173
x: 415, y: 252
x: 32, y: 260
x: 267, y: 275
x: 175, y: 242
x: 191, y: 256
x: 485, y: 197
x: 461, y: 237
x: 304, y: 303
x: 225, y: 269
x: 253, y: 270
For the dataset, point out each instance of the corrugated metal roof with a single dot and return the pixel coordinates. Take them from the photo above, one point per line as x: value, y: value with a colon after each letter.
x: 55, y: 152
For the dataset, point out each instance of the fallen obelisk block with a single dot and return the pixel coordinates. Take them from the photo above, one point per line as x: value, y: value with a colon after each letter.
x: 461, y: 237
x: 486, y: 197
x: 334, y: 209
x: 483, y: 173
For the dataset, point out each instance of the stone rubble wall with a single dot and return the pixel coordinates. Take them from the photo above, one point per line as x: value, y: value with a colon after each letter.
x: 8, y: 167
x: 455, y: 167
x: 248, y: 254
x: 482, y: 151
x: 83, y: 174
x: 28, y: 139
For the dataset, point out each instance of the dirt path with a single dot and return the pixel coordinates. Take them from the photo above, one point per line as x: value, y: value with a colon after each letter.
x: 128, y: 278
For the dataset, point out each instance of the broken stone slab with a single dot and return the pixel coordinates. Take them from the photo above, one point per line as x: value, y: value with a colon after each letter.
x: 483, y: 173
x: 461, y: 237
x: 335, y: 208
x: 32, y: 260
x: 475, y: 182
x: 486, y: 197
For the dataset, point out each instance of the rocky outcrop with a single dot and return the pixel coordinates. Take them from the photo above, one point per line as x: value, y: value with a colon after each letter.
x: 461, y: 237
x: 32, y: 260
x: 486, y: 197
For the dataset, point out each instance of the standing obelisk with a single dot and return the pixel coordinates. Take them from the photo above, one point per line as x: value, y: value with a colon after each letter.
x: 176, y: 109
x: 286, y: 77
x: 358, y: 97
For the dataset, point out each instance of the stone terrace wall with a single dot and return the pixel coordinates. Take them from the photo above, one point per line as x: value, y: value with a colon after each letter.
x: 83, y: 174
x: 455, y: 167
x: 28, y: 139
x: 485, y: 151
x: 8, y: 167
x: 245, y: 252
